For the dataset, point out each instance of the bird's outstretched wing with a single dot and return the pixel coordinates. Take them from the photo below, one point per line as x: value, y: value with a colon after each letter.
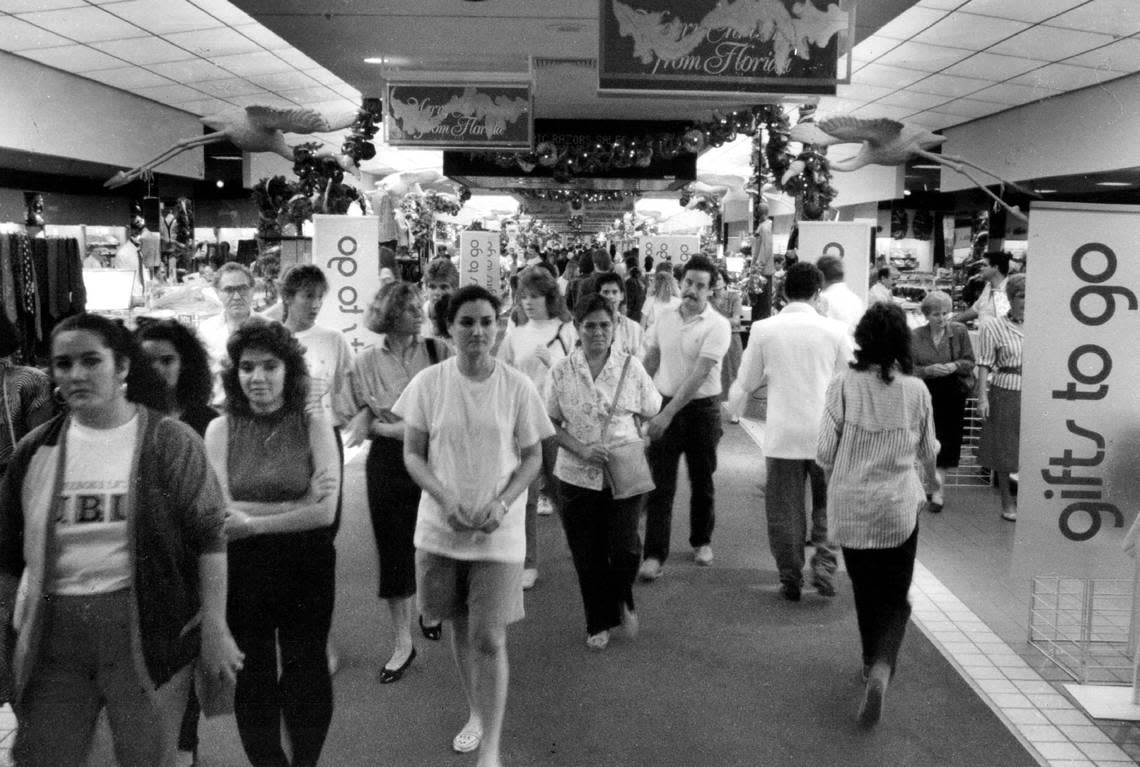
x: 855, y: 129
x: 810, y: 133
x: 296, y: 120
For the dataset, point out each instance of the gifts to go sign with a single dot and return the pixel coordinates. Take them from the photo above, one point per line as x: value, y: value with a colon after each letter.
x: 677, y: 248
x: 479, y: 259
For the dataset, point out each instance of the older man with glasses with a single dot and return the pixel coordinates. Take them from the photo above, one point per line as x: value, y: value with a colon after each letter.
x: 234, y: 284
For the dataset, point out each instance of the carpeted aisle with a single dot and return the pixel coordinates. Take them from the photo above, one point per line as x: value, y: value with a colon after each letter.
x: 724, y: 673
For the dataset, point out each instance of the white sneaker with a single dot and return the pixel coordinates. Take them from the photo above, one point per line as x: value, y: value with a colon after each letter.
x: 650, y: 569
x: 703, y: 555
x: 530, y: 575
x: 545, y: 506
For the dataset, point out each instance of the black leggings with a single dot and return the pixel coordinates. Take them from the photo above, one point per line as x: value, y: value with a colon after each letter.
x: 281, y: 593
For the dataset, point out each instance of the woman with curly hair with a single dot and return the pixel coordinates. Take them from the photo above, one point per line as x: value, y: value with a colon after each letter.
x: 180, y: 360
x: 280, y: 474
x: 878, y: 425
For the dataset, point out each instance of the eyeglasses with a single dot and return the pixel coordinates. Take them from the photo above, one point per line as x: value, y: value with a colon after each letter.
x: 230, y: 290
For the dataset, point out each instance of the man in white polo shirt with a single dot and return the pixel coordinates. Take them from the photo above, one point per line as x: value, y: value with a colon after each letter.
x: 796, y: 352
x: 684, y: 349
x: 992, y: 302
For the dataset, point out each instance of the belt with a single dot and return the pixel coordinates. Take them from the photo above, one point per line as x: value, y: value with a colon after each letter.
x: 715, y: 399
x: 1012, y: 369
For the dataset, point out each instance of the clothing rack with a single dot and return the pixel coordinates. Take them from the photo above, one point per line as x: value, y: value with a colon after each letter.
x: 41, y: 282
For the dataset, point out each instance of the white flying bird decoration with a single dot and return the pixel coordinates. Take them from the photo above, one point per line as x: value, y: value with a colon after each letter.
x: 888, y: 142
x: 253, y: 129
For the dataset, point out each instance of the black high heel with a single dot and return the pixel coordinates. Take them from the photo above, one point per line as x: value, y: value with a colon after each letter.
x: 434, y: 633
x: 389, y: 675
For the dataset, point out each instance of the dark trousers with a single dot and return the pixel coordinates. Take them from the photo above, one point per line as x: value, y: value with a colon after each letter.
x: 694, y: 433
x: 393, y: 504
x: 281, y: 595
x: 602, y: 535
x: 787, y: 519
x: 880, y: 579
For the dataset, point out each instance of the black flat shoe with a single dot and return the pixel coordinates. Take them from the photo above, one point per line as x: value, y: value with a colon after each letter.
x: 389, y: 675
x: 434, y: 633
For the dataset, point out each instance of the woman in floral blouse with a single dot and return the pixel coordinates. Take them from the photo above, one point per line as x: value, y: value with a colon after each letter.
x: 601, y: 531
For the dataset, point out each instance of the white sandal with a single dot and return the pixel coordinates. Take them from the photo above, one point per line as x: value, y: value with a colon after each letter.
x: 467, y: 740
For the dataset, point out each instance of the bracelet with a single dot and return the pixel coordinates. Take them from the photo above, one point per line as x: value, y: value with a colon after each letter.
x: 506, y: 509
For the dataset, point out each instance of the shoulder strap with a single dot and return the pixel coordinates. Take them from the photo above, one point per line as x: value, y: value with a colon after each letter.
x: 558, y: 338
x: 617, y: 393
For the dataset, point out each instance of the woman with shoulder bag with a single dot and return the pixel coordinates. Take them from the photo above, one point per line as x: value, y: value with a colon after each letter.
x: 594, y: 397
x: 944, y: 360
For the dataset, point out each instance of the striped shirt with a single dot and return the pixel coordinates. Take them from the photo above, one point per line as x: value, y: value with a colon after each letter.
x: 999, y: 349
x: 25, y: 403
x: 872, y: 439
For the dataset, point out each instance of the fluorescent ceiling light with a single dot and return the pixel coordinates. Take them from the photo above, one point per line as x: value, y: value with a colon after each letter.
x: 1114, y: 183
x: 928, y: 166
x: 1044, y: 191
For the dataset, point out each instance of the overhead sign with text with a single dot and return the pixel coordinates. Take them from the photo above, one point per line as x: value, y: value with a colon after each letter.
x: 479, y: 260
x: 347, y: 249
x: 459, y: 116
x: 1080, y: 417
x: 849, y: 240
x: 755, y: 46
x: 675, y: 248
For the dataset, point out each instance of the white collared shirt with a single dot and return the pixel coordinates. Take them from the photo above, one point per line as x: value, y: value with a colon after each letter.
x: 992, y: 302
x: 684, y: 341
x: 796, y: 352
x: 843, y: 304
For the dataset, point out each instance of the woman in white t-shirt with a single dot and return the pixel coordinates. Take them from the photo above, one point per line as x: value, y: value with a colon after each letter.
x: 473, y: 428
x: 543, y: 336
x: 112, y: 522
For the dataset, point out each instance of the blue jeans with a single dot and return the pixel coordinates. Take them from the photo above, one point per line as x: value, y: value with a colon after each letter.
x: 694, y: 433
x: 880, y: 579
x: 787, y: 519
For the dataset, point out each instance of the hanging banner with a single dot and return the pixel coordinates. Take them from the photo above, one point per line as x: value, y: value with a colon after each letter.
x: 479, y: 262
x: 755, y: 46
x: 1080, y: 417
x: 347, y: 249
x: 850, y: 240
x: 460, y: 116
x: 677, y: 248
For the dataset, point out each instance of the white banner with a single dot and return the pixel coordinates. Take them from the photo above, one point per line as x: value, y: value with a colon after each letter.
x: 1080, y: 415
x: 347, y: 249
x: 479, y: 262
x: 850, y: 240
x: 676, y: 248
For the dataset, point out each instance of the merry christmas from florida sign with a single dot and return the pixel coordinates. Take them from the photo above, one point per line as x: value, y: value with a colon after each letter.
x: 756, y: 46
x: 459, y: 116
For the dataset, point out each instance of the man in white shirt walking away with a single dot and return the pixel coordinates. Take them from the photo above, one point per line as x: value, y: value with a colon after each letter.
x: 992, y: 302
x: 796, y: 353
x: 839, y: 301
x: 683, y: 353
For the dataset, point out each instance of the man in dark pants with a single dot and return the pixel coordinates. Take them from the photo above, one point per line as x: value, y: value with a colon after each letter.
x: 684, y: 349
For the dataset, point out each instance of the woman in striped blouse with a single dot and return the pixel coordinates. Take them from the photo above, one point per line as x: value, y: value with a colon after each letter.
x: 877, y: 427
x: 999, y: 392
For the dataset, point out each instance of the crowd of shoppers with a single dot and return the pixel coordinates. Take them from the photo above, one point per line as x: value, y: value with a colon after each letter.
x: 222, y: 449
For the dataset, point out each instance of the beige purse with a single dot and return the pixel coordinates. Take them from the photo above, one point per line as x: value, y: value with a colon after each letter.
x: 627, y: 470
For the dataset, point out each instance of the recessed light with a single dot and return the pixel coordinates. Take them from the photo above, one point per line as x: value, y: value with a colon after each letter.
x: 1114, y: 183
x: 1044, y: 191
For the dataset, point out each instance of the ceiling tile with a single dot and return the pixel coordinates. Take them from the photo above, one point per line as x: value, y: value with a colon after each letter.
x: 84, y: 25
x: 990, y: 66
x: 144, y: 50
x: 298, y: 59
x: 164, y: 16
x: 872, y: 48
x: 234, y: 86
x: 1032, y: 11
x: 306, y: 96
x: 925, y: 58
x: 880, y: 110
x: 27, y: 6
x: 910, y: 22
x: 1122, y: 56
x: 968, y: 108
x: 224, y: 11
x: 830, y: 106
x: 206, y: 106
x: 912, y: 99
x: 260, y: 63
x: 284, y: 81
x: 933, y: 120
x: 175, y: 93
x: 262, y: 99
x: 966, y: 30
x: 323, y: 76
x: 885, y: 76
x: 263, y: 37
x: 1119, y: 18
x: 943, y: 5
x: 74, y: 58
x: 1058, y: 43
x: 947, y: 85
x: 346, y: 90
x: 1065, y: 77
x: 861, y: 93
x: 16, y: 35
x: 1012, y: 94
x: 191, y: 71
x: 128, y: 78
x: 214, y: 42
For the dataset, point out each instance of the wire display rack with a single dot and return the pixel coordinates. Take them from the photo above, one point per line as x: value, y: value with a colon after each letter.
x: 968, y: 473
x: 1084, y: 626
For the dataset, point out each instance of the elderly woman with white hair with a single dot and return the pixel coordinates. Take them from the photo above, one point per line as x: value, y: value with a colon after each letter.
x: 944, y: 359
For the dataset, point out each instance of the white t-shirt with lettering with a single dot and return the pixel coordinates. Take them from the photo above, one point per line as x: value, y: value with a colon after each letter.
x: 91, y: 533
